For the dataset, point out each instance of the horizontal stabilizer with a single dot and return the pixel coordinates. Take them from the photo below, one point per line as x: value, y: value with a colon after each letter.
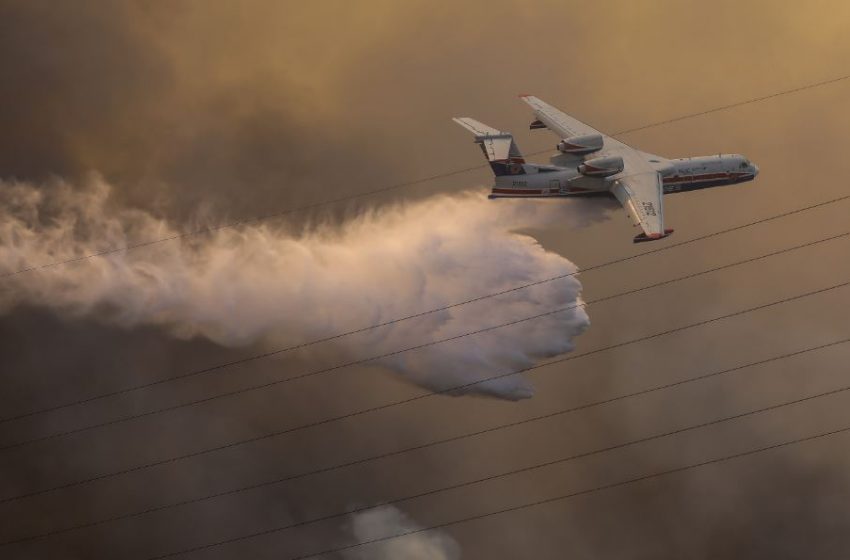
x: 479, y: 129
x: 498, y: 147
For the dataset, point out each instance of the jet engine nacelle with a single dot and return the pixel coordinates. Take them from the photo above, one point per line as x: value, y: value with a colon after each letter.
x: 580, y: 145
x: 602, y: 167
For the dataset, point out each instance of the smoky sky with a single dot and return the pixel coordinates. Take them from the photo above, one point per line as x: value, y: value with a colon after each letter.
x: 98, y: 86
x: 202, y: 112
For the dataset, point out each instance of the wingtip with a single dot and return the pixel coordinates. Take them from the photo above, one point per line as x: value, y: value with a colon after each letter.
x: 642, y: 237
x: 523, y: 95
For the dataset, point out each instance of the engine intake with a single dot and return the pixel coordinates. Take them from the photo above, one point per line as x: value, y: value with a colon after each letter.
x: 581, y: 145
x: 602, y: 167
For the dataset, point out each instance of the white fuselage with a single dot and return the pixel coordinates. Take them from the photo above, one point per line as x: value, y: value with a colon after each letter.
x: 679, y: 175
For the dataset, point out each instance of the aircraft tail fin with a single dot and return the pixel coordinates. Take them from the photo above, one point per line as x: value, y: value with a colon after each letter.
x: 499, y: 147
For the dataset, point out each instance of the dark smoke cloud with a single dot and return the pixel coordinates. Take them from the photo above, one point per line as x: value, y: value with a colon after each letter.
x: 100, y: 86
x: 224, y: 111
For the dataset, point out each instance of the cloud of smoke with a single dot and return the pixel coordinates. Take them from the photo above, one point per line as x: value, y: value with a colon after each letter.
x: 258, y: 284
x: 389, y: 520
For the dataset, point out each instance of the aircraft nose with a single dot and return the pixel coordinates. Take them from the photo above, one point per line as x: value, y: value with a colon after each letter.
x: 755, y: 170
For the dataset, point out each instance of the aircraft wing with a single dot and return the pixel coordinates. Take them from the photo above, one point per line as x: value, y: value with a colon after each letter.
x: 641, y: 196
x: 564, y: 126
x: 639, y: 187
x: 557, y: 121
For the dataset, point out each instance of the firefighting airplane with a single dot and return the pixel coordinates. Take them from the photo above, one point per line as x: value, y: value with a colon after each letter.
x: 591, y: 163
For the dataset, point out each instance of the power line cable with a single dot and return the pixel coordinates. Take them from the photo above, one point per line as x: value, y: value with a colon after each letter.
x: 370, y: 359
x: 419, y: 447
x: 737, y: 104
x: 572, y: 494
x: 255, y: 357
x: 512, y: 472
x: 452, y: 173
x: 396, y: 186
x: 421, y: 396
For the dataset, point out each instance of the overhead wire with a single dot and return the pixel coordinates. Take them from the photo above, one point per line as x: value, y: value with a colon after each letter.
x: 501, y: 475
x: 422, y: 396
x: 396, y: 186
x: 430, y: 444
x: 536, y: 503
x: 233, y: 224
x: 278, y: 351
x: 370, y: 359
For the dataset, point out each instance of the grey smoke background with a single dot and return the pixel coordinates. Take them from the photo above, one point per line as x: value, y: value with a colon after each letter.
x: 194, y: 111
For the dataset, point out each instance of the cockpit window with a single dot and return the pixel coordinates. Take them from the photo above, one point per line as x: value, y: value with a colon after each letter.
x: 744, y: 165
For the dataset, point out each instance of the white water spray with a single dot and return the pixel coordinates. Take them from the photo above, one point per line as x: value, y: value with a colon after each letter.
x: 261, y: 285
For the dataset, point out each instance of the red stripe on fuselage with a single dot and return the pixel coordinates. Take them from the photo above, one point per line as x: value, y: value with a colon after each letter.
x: 518, y: 191
x: 695, y: 178
x: 676, y: 180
